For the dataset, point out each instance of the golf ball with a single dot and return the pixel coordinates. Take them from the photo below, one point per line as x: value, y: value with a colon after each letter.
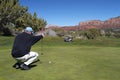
x: 50, y: 62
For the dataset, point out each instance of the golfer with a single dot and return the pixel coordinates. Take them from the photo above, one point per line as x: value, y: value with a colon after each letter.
x: 21, y: 49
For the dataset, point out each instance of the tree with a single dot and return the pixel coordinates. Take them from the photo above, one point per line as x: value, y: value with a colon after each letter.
x: 10, y: 10
x: 38, y: 23
x: 30, y: 20
x: 92, y: 33
x: 25, y: 20
x: 12, y: 13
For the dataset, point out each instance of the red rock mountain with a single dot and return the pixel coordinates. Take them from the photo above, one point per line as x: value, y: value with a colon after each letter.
x: 110, y: 23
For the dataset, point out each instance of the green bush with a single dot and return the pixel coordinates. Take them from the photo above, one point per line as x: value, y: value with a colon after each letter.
x: 91, y: 33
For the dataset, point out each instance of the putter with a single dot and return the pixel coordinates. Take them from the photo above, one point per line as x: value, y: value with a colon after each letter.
x: 42, y: 30
x: 42, y: 48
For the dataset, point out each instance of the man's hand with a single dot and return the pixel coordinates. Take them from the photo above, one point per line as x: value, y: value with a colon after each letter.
x: 43, y: 34
x: 40, y: 33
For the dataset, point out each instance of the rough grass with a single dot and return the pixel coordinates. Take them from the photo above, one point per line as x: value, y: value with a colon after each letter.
x: 79, y: 60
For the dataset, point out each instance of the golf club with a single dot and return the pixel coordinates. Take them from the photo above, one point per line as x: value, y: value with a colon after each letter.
x: 42, y: 31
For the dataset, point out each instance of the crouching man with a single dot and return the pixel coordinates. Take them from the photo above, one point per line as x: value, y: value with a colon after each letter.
x: 21, y: 49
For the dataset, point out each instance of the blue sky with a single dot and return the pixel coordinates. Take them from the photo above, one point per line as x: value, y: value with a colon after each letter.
x: 71, y: 12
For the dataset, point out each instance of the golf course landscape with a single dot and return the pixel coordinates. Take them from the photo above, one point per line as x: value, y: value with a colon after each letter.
x: 97, y: 59
x: 81, y: 39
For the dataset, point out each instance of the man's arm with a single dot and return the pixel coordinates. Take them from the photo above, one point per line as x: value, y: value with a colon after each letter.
x: 36, y: 39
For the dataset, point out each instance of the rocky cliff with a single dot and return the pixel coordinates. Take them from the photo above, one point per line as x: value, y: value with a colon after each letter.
x: 108, y: 24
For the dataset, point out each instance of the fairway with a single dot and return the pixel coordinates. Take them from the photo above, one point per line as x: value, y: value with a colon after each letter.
x: 67, y: 62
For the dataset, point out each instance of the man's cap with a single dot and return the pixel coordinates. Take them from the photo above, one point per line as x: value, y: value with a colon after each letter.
x: 28, y: 29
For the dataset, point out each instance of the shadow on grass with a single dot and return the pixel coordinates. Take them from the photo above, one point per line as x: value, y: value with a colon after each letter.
x: 32, y: 66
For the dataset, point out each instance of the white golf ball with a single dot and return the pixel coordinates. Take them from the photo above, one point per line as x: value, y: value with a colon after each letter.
x: 50, y: 62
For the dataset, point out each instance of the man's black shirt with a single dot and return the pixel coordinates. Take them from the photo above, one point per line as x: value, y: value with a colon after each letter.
x: 23, y: 43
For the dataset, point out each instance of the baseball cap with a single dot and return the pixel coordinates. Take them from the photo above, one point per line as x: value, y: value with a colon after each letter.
x: 29, y: 29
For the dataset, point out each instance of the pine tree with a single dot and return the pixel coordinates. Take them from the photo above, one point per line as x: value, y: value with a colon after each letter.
x: 13, y: 15
x: 10, y: 10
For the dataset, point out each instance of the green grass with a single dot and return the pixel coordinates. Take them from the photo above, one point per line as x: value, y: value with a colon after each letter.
x: 80, y: 60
